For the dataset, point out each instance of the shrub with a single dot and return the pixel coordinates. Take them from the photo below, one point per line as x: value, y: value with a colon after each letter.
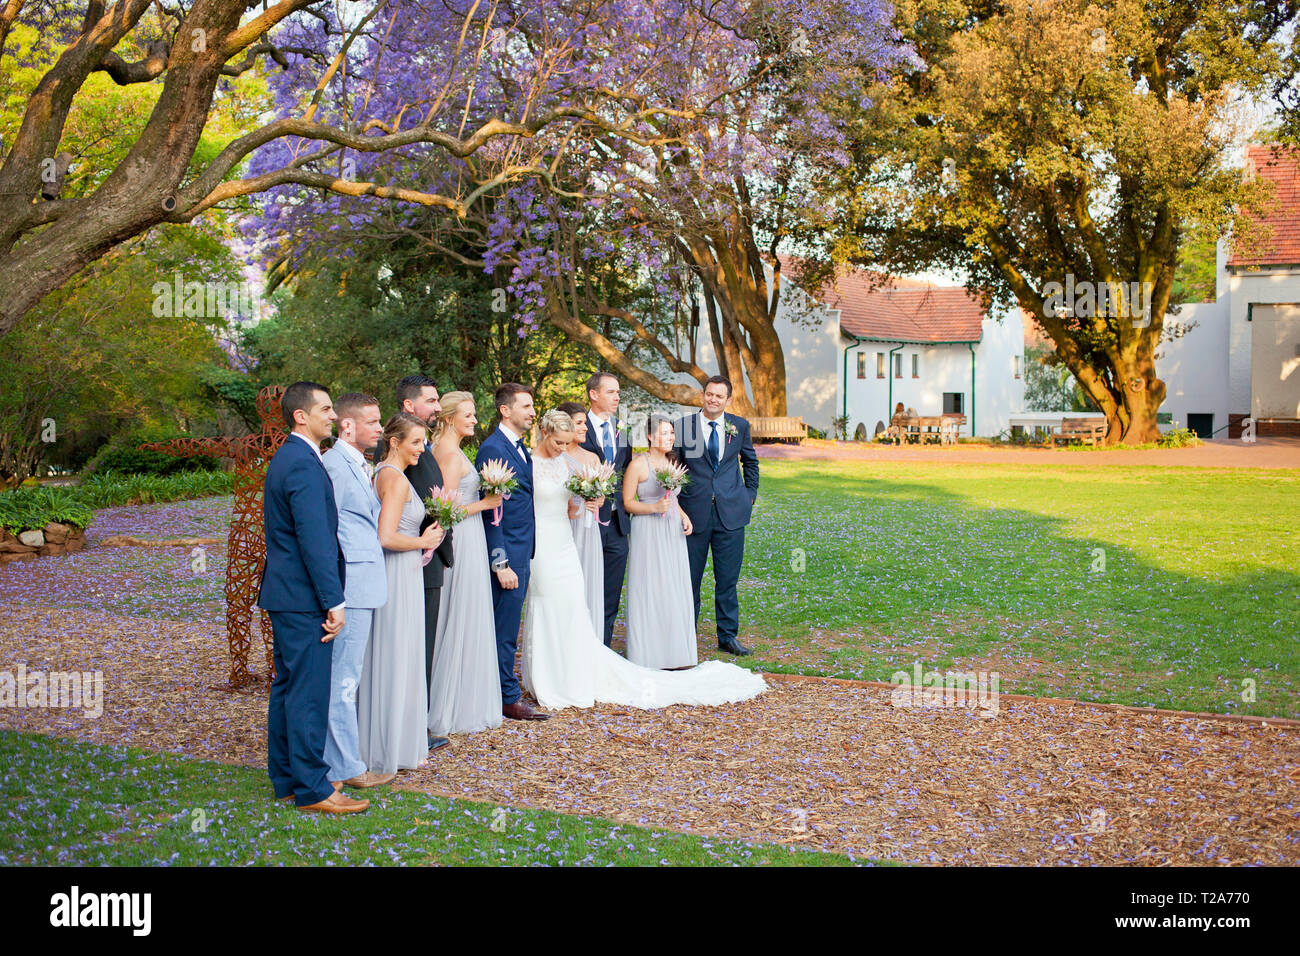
x: 124, y: 456
x: 1179, y: 438
x: 25, y: 509
x: 28, y: 508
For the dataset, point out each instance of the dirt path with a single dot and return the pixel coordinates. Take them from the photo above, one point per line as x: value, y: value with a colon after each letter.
x: 829, y: 766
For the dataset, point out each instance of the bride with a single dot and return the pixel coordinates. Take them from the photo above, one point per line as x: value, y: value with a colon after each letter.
x: 565, y: 663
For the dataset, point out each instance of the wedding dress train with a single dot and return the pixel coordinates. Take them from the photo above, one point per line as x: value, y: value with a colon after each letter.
x: 565, y: 662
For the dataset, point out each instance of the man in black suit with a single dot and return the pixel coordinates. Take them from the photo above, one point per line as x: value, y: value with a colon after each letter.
x: 605, y: 439
x: 418, y: 395
x: 717, y: 450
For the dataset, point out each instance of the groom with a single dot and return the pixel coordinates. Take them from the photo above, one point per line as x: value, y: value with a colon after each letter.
x: 717, y: 451
x: 609, y: 445
x: 511, y: 543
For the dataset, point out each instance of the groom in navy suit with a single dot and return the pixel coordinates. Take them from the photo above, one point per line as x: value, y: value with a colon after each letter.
x: 717, y: 451
x: 609, y: 444
x: 511, y: 543
x: 302, y: 591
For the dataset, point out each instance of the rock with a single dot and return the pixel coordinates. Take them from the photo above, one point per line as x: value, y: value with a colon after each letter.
x: 52, y: 549
x: 76, y: 542
x: 12, y: 546
x: 56, y: 533
x: 33, y: 539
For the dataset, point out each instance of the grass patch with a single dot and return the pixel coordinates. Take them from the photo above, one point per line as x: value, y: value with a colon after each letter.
x: 75, y: 803
x: 1167, y: 587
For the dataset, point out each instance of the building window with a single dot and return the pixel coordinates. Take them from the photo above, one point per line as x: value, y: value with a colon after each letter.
x: 916, y: 365
x: 898, y: 365
x: 880, y: 365
x: 862, y: 365
x: 952, y: 403
x: 1015, y: 365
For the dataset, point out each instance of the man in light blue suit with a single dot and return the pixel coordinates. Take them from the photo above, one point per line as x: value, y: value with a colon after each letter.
x: 366, y: 586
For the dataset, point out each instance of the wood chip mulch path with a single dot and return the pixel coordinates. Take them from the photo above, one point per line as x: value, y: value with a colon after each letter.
x: 823, y: 765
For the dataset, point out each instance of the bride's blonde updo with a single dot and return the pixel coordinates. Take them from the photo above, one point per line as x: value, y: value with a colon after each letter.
x: 556, y: 421
x: 450, y: 403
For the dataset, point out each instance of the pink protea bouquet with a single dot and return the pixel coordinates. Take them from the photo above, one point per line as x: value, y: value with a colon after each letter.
x: 673, y: 477
x: 445, y: 507
x: 592, y: 482
x: 497, y: 478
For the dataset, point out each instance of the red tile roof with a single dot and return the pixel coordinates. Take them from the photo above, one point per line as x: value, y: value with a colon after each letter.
x: 1276, y: 239
x: 895, y: 309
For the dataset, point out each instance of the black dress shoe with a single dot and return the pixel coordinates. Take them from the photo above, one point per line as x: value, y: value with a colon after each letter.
x: 437, y: 743
x: 733, y: 646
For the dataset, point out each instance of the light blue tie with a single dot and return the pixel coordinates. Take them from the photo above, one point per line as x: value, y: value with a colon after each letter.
x: 609, y: 443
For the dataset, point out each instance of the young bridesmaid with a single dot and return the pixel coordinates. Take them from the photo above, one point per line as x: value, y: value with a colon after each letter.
x: 390, y: 696
x: 660, y: 607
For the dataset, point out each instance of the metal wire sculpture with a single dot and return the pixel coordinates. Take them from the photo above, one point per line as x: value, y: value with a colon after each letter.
x: 246, y: 550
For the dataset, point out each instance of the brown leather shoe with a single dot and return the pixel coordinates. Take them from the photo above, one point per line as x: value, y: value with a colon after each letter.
x: 521, y: 711
x: 370, y: 779
x: 337, y: 803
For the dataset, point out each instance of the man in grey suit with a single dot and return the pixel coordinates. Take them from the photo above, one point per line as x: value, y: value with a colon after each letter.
x: 366, y: 583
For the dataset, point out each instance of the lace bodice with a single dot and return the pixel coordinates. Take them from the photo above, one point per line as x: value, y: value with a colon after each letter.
x: 551, y: 498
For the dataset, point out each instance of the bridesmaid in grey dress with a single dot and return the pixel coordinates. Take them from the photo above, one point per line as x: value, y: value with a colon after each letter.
x: 390, y: 697
x: 465, y: 688
x: 660, y: 606
x: 586, y: 530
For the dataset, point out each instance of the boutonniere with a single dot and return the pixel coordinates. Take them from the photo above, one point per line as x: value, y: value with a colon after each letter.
x: 730, y: 430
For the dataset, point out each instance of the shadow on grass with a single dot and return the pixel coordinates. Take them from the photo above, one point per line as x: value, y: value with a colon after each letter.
x: 865, y: 580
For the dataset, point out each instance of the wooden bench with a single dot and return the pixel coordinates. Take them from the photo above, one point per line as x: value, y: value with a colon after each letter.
x: 1087, y: 431
x: 778, y: 429
x: 951, y: 427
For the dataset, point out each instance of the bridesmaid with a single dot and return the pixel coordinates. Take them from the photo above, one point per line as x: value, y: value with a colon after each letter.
x: 660, y: 606
x: 465, y: 688
x: 390, y: 697
x: 586, y: 531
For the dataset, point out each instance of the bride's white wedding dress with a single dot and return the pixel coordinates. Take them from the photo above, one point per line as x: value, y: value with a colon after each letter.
x: 565, y: 663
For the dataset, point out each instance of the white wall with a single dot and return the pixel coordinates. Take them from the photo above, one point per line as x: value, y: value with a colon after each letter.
x: 999, y: 394
x: 1194, y: 367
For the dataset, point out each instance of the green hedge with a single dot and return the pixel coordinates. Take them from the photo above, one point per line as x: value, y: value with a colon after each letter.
x: 27, y: 508
x: 123, y: 456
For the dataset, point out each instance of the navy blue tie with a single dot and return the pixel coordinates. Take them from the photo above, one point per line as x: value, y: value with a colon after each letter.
x: 523, y: 452
x: 713, y: 444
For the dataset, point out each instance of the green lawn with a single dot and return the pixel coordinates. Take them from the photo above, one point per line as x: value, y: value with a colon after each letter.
x: 77, y: 803
x: 858, y: 569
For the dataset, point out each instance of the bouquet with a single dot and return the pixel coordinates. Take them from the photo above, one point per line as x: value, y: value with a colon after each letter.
x: 497, y: 478
x: 592, y: 482
x: 445, y: 507
x: 673, y: 478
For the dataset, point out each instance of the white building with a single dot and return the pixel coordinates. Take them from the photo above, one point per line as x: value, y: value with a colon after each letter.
x: 1242, y: 357
x: 859, y: 351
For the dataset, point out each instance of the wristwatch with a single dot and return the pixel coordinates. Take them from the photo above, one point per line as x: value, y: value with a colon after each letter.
x: 501, y: 565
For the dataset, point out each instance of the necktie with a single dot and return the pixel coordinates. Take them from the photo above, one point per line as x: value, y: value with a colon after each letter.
x: 523, y: 452
x: 713, y: 443
x: 609, y: 443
